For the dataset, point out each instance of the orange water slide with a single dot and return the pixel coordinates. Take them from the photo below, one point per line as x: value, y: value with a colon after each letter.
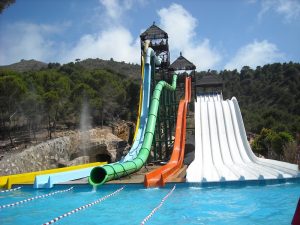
x: 161, y: 175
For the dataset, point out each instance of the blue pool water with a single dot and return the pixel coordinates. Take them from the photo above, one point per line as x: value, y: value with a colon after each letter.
x: 189, y: 204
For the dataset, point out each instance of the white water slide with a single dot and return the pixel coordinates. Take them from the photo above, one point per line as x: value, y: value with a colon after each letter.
x: 222, y: 152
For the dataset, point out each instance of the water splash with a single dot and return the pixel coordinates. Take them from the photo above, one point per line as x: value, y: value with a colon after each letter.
x: 94, y: 188
x: 85, y: 125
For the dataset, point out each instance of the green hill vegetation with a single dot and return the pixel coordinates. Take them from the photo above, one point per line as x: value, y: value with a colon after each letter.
x: 269, y: 96
x: 51, y: 96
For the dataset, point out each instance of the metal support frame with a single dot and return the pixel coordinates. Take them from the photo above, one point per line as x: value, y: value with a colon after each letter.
x: 166, y: 119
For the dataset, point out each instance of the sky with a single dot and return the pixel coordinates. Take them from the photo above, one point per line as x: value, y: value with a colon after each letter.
x: 213, y: 34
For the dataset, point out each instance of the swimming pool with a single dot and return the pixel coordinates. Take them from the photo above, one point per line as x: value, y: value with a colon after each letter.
x: 188, y: 204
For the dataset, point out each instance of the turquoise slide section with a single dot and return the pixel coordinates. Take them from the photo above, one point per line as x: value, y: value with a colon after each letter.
x: 136, y: 147
x: 144, y: 116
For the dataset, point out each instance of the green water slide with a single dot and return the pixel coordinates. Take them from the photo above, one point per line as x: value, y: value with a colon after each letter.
x: 100, y: 175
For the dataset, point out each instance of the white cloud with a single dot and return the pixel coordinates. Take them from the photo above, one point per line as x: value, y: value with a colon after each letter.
x: 203, y: 55
x: 180, y: 26
x: 32, y: 41
x: 290, y: 9
x: 116, y: 43
x: 116, y: 9
x: 255, y: 54
x: 26, y: 41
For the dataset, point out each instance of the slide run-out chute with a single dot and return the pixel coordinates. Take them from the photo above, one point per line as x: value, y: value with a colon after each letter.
x: 31, y: 177
x: 161, y: 175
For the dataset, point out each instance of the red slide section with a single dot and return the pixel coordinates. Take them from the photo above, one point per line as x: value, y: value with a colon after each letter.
x: 160, y: 176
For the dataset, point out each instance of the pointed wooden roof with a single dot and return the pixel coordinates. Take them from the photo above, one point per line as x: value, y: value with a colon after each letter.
x: 154, y: 32
x: 182, y: 63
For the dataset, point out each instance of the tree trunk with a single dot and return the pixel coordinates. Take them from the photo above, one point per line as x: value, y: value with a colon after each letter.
x: 34, y: 135
x: 49, y: 127
x: 29, y: 123
x: 10, y: 137
x: 54, y: 122
x: 102, y: 118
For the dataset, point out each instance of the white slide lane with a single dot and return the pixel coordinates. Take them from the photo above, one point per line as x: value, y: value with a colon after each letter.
x: 222, y: 151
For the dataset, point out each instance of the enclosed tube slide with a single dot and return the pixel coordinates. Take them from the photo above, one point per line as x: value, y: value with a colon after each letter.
x: 161, y: 175
x: 222, y: 151
x: 100, y: 175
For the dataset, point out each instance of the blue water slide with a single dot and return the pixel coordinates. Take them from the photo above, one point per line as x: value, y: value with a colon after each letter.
x: 48, y: 180
x: 143, y: 118
x: 145, y: 107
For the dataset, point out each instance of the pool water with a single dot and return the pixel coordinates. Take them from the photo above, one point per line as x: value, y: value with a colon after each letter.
x: 188, y: 204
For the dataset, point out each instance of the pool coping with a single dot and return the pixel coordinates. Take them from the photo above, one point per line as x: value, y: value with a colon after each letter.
x: 223, y: 184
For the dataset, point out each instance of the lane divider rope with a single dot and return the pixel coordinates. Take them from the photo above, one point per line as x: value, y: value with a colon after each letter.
x: 83, y: 207
x: 157, y: 207
x: 33, y: 198
x: 13, y: 189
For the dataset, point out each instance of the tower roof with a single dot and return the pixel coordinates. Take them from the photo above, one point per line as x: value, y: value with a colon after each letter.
x: 153, y: 32
x: 182, y: 63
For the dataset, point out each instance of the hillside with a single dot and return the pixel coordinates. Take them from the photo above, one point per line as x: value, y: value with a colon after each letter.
x: 269, y: 96
x: 54, y: 96
x: 25, y: 65
x: 131, y: 71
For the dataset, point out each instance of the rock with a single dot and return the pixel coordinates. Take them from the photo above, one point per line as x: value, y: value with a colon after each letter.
x: 102, y: 146
x: 78, y: 161
x: 62, y: 163
x: 124, y: 130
